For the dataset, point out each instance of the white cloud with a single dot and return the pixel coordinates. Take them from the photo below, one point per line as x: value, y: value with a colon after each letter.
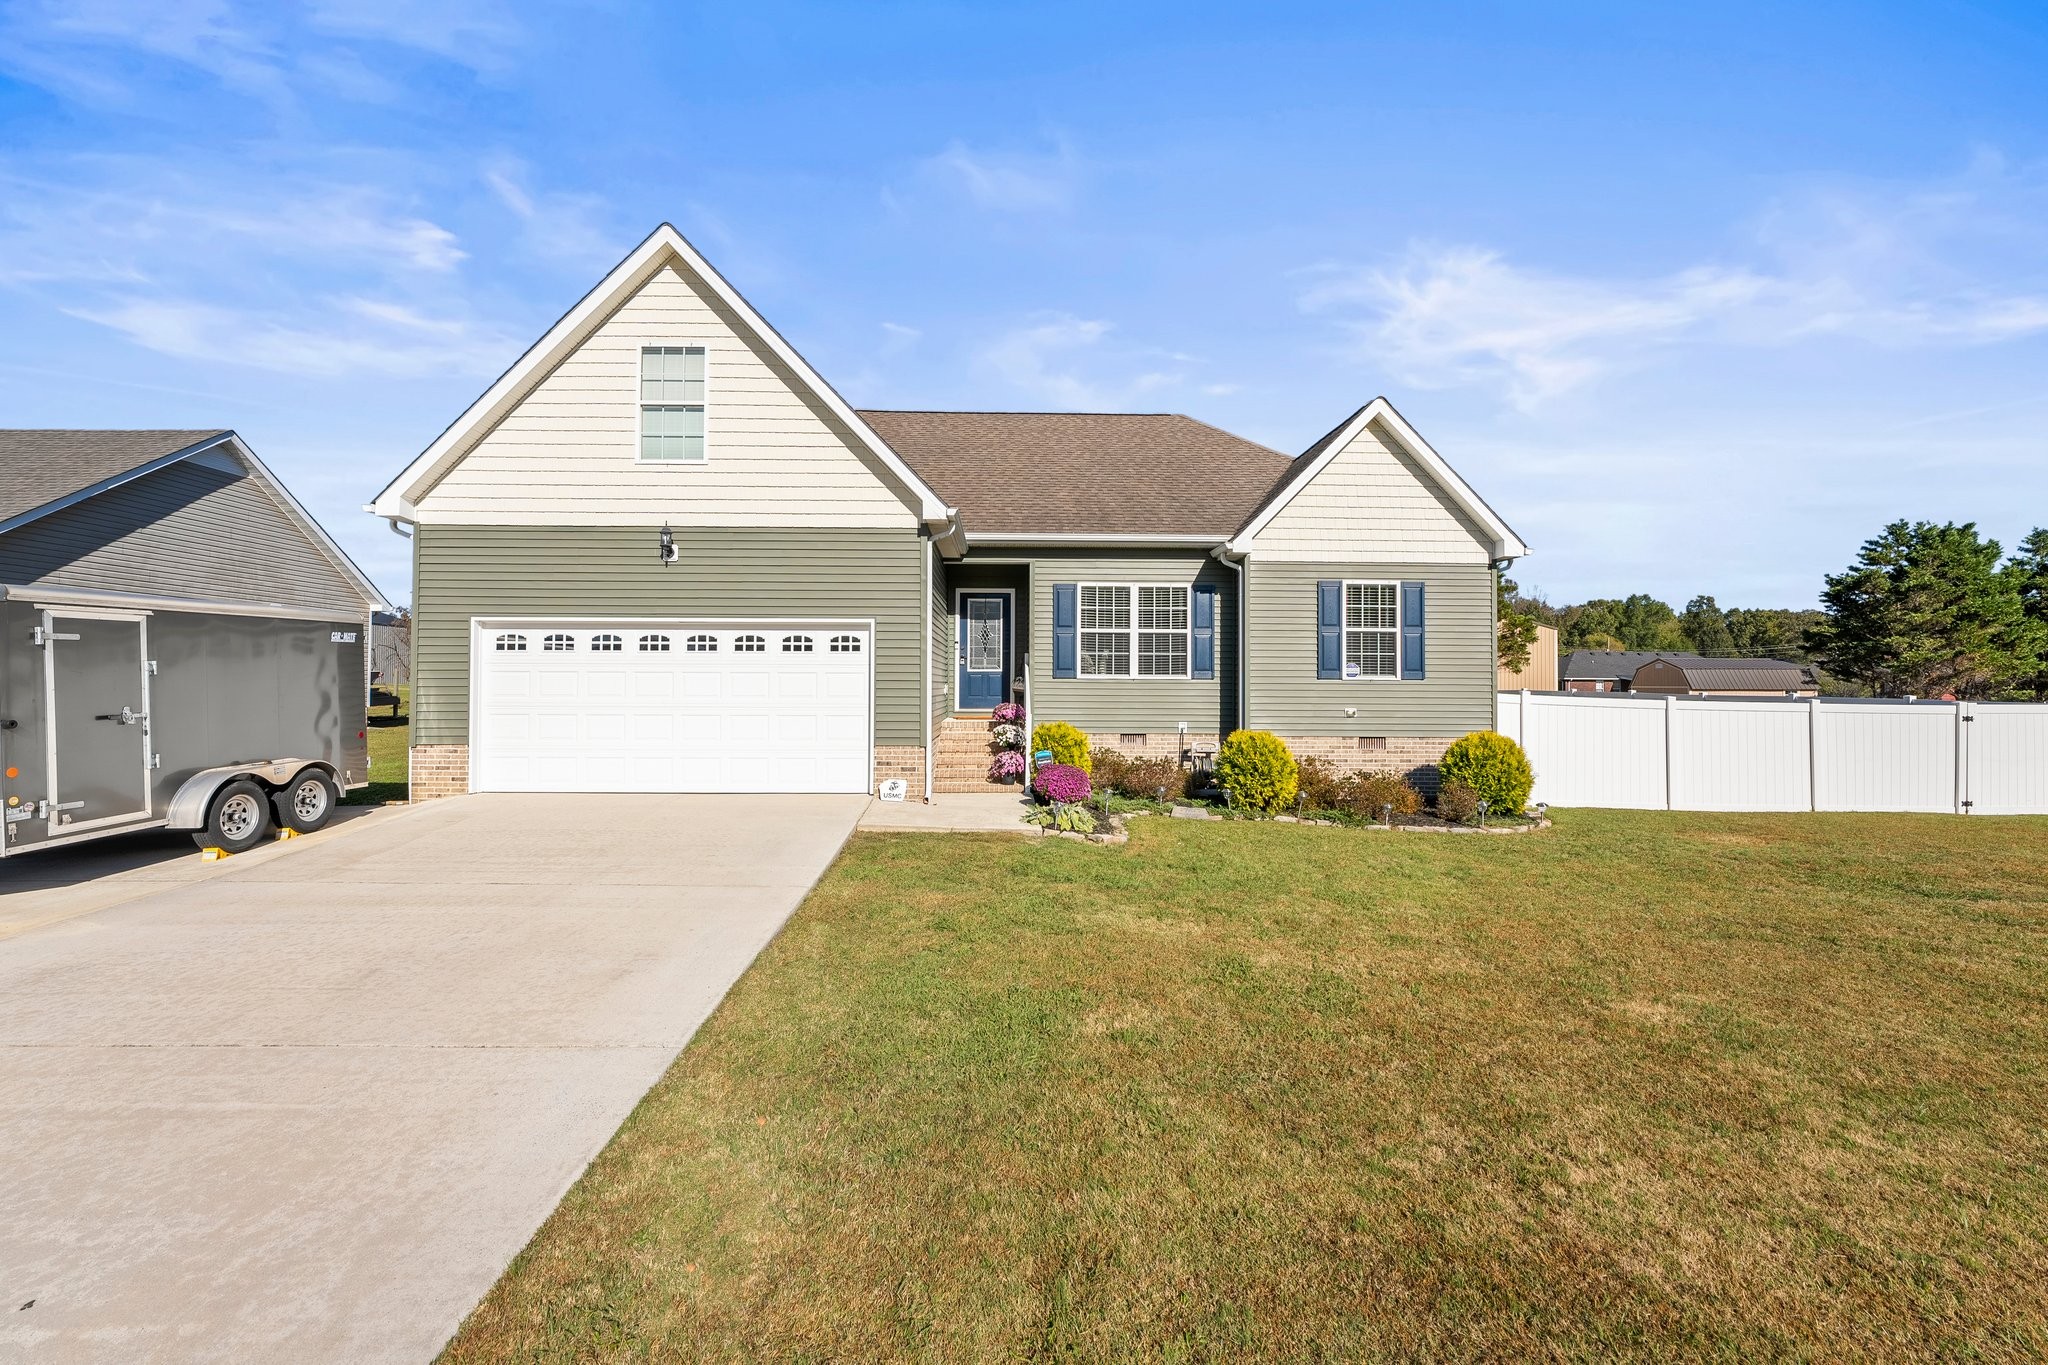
x: 96, y: 51
x: 385, y: 339
x: 555, y: 225
x: 1007, y: 182
x: 1059, y: 359
x: 1886, y: 266
x: 290, y: 274
x: 472, y: 33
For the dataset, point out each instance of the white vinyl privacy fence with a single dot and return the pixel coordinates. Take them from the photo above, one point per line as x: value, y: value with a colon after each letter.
x: 1781, y: 753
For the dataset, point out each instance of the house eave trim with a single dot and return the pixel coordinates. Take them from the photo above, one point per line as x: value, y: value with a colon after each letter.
x: 1189, y: 542
x: 1503, y: 543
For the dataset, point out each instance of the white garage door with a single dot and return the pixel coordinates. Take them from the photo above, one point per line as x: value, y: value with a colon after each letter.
x: 658, y: 707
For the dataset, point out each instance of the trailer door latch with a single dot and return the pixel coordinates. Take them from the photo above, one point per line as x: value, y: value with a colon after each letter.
x: 39, y: 636
x: 124, y: 716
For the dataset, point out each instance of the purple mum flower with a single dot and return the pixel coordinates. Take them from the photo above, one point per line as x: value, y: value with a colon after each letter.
x: 1062, y: 782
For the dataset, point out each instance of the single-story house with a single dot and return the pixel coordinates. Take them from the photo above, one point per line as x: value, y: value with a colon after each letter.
x: 661, y: 552
x: 1725, y: 678
x: 1616, y: 670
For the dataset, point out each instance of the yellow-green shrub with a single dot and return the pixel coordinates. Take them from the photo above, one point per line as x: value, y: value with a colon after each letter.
x: 1494, y: 767
x: 1257, y: 772
x: 1068, y: 744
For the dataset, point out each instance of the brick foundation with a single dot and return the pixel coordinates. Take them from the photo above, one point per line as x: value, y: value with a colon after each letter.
x: 1157, y: 744
x: 901, y: 760
x: 443, y: 769
x: 1412, y: 758
x: 439, y: 770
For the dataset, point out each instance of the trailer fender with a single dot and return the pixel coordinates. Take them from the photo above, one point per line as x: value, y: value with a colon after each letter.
x: 194, y: 796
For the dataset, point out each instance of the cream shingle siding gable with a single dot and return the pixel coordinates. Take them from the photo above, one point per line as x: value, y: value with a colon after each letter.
x: 567, y: 452
x: 1373, y: 502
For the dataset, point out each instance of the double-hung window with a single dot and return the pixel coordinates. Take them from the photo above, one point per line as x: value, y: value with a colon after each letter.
x: 1133, y: 630
x: 1372, y: 630
x: 672, y: 404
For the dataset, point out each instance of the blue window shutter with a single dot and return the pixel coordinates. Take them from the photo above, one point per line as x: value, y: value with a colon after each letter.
x: 1411, y: 629
x: 1329, y: 628
x: 1063, y: 642
x: 1202, y: 631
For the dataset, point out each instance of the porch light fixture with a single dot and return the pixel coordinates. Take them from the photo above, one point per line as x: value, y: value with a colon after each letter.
x: 668, y: 545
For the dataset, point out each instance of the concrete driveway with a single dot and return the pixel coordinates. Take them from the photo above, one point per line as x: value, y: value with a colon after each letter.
x: 307, y: 1109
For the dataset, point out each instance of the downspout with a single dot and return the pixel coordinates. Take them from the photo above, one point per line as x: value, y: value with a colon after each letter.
x: 1241, y: 563
x: 931, y: 549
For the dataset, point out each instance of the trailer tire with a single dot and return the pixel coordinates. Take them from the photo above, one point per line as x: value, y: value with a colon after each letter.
x: 307, y: 802
x: 238, y: 818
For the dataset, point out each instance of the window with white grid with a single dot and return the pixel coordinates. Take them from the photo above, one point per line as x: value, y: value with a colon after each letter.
x: 1132, y: 630
x: 672, y: 398
x: 1372, y: 630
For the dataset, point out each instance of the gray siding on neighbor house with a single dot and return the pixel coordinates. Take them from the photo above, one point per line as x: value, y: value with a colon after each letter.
x: 854, y: 572
x: 1147, y: 705
x: 188, y: 530
x: 1287, y: 698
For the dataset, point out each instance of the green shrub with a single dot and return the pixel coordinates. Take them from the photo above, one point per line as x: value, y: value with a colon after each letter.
x: 1322, y: 784
x: 1369, y: 794
x: 1257, y: 772
x: 1493, y: 766
x: 1109, y: 768
x: 1068, y: 744
x: 1143, y: 777
x: 1457, y: 802
x: 1067, y: 819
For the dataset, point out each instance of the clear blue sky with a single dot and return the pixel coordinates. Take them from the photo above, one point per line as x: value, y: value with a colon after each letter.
x: 1697, y: 300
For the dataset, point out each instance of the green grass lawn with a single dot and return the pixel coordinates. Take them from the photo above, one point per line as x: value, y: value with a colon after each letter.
x: 1647, y: 1085
x: 389, y: 738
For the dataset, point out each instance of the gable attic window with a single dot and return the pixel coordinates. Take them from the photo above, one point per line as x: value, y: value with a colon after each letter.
x: 672, y: 404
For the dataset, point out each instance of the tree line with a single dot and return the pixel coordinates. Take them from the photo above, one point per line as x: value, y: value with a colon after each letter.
x: 1925, y: 610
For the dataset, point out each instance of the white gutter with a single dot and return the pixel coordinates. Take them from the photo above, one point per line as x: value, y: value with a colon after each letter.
x: 925, y: 611
x: 1007, y: 538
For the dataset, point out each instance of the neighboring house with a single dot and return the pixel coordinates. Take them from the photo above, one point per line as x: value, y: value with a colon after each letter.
x: 1540, y: 673
x: 1602, y: 670
x: 1725, y: 678
x: 662, y: 553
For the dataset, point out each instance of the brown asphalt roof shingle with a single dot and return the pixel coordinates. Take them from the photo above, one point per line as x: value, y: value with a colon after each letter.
x: 1084, y: 473
x: 38, y: 467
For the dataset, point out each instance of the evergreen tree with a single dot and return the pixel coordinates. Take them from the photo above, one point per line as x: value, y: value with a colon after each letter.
x: 1924, y: 611
x: 1517, y: 627
x: 2028, y: 570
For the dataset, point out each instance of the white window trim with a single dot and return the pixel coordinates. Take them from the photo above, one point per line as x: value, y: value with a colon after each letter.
x: 640, y: 349
x: 1345, y: 629
x: 1132, y: 630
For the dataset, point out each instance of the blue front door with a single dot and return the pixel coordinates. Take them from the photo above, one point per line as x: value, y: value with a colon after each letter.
x: 984, y: 650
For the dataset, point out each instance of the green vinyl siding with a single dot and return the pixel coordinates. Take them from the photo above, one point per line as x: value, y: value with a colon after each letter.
x: 1457, y: 695
x: 1148, y: 705
x: 466, y: 571
x: 941, y: 633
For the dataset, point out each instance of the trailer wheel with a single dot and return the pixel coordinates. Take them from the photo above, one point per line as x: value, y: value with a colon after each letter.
x: 239, y: 819
x: 308, y: 803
